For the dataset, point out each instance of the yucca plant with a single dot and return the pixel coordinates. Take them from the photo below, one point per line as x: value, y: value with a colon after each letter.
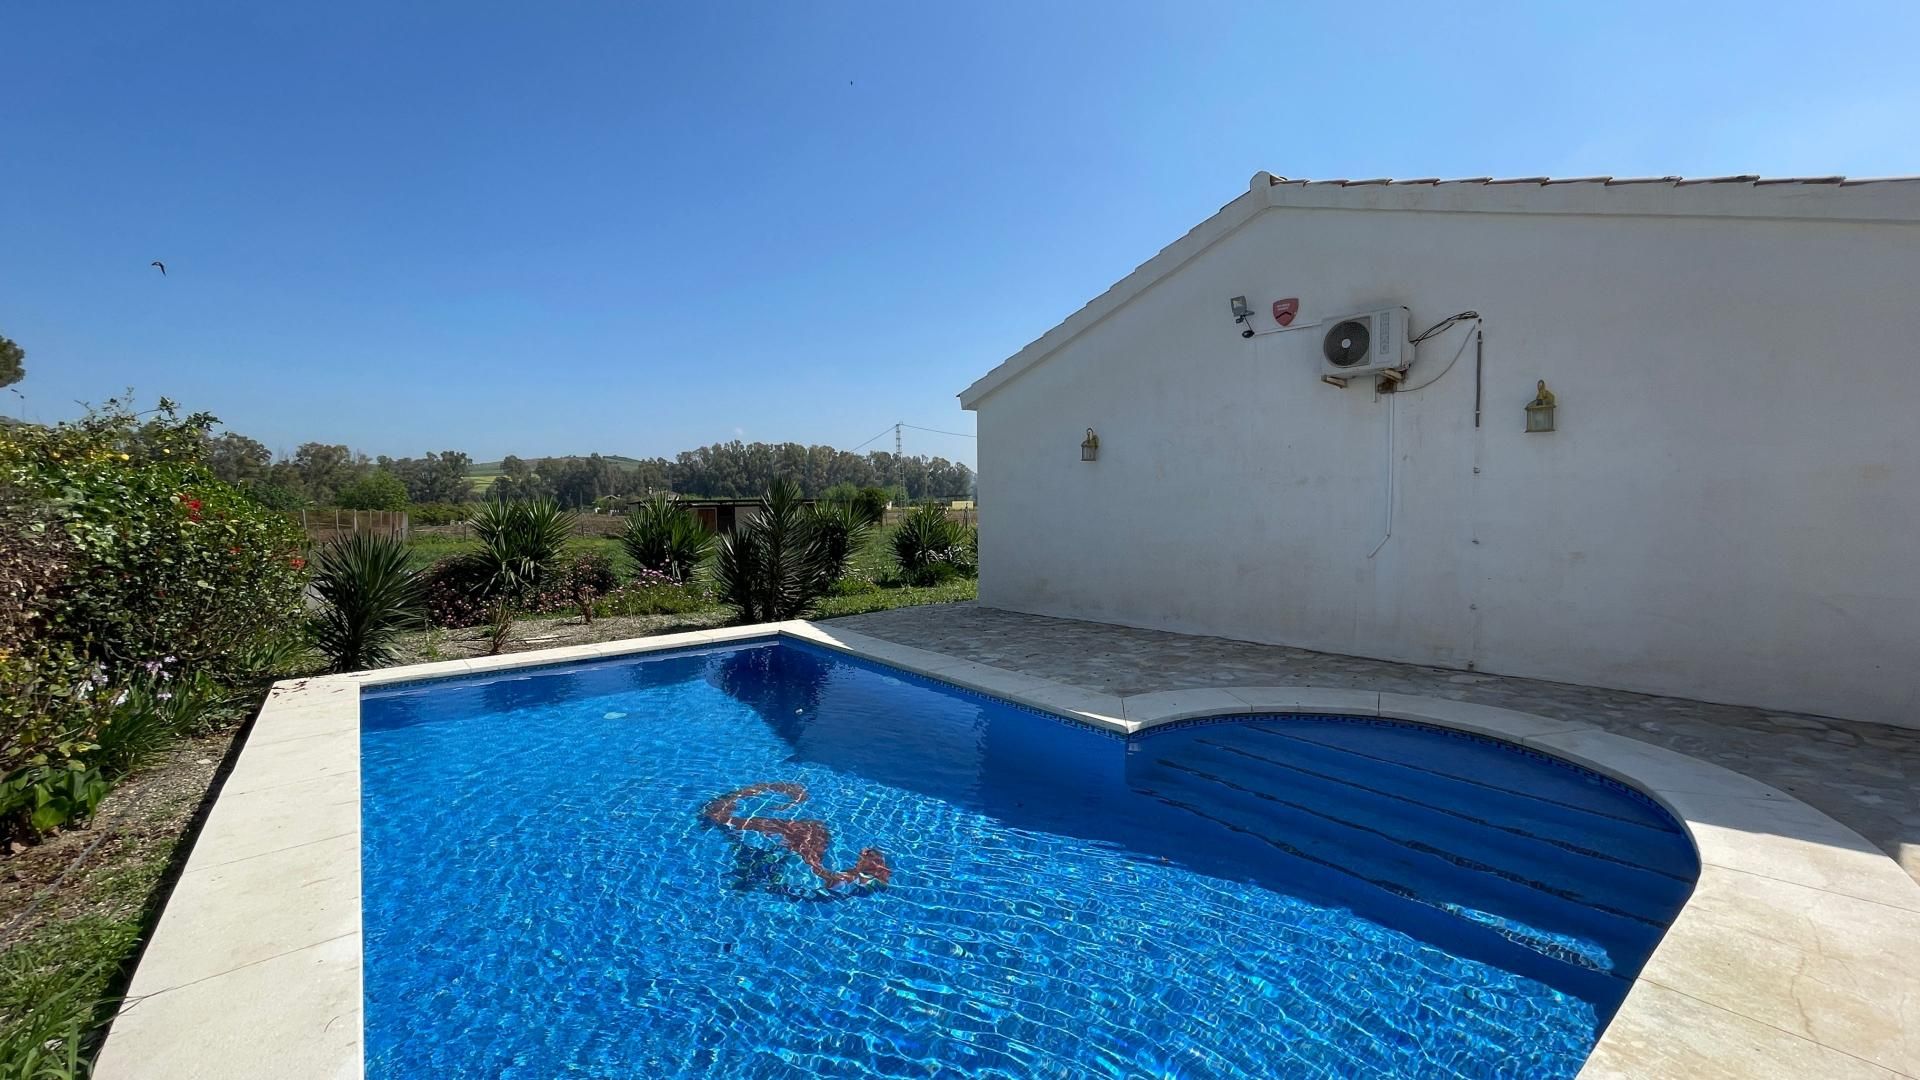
x: 368, y: 595
x: 840, y: 527
x: 520, y: 544
x: 929, y: 546
x: 666, y: 537
x: 774, y: 565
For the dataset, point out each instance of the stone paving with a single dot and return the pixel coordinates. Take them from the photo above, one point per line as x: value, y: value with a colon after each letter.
x: 1865, y: 775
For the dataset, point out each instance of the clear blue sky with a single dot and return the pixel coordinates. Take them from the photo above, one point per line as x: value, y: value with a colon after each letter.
x: 636, y: 228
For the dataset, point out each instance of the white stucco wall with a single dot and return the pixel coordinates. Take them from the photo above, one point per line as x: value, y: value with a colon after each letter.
x: 1728, y: 510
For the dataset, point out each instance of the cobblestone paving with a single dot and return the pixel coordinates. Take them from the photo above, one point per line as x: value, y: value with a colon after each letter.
x: 1865, y: 775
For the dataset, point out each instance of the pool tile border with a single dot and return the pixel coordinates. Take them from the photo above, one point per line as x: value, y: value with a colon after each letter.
x: 1791, y: 960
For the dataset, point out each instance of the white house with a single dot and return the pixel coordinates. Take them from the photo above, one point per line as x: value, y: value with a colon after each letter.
x: 1727, y: 507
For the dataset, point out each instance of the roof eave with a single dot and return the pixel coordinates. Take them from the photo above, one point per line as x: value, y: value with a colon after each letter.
x: 1887, y: 200
x: 1224, y: 222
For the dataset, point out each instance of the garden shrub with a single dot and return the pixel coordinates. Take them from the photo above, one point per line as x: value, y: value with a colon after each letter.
x: 774, y: 565
x: 583, y: 579
x: 872, y: 503
x: 521, y: 543
x: 454, y: 592
x: 840, y: 529
x: 122, y: 556
x: 440, y: 513
x: 166, y: 558
x: 649, y: 592
x: 931, y: 548
x: 666, y: 537
x: 368, y: 595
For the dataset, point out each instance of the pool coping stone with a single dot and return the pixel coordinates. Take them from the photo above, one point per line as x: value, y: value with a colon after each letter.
x: 1794, y: 957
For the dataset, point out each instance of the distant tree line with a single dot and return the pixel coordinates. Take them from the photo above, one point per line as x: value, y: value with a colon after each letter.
x: 324, y: 474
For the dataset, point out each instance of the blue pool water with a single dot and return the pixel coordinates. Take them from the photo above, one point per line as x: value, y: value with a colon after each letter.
x: 1295, y: 896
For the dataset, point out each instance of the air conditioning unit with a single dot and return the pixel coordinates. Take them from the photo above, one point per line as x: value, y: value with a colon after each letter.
x: 1364, y: 344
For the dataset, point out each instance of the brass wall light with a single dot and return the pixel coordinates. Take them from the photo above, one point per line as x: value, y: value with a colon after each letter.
x: 1090, y: 446
x: 1540, y: 409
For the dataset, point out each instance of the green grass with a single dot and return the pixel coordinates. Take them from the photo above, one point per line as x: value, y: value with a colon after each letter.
x: 906, y: 596
x: 56, y: 983
x: 871, y: 564
x: 427, y: 550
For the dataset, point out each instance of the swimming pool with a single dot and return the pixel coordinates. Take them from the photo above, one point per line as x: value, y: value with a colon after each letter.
x: 555, y: 883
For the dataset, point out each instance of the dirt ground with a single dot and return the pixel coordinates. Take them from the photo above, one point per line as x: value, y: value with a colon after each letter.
x: 528, y: 634
x: 107, y: 870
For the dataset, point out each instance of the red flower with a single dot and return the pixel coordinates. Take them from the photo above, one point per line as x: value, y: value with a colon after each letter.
x: 297, y: 563
x: 233, y: 551
x: 193, y: 509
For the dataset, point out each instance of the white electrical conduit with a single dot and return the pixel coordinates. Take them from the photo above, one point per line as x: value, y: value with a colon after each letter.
x: 1390, y: 473
x: 1391, y: 457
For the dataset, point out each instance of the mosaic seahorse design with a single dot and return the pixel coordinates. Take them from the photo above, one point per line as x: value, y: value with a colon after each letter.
x: 805, y: 837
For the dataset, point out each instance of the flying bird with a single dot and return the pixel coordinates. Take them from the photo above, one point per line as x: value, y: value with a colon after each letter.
x: 161, y: 265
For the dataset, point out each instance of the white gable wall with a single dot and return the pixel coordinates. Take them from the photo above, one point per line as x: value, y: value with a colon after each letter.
x: 1728, y: 511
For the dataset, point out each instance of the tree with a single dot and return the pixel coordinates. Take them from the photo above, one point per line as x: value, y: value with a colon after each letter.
x: 320, y: 470
x: 377, y: 490
x: 13, y: 362
x: 442, y: 478
x: 435, y: 478
x: 237, y: 459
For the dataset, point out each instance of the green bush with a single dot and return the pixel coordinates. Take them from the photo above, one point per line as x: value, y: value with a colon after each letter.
x: 840, y: 529
x: 931, y: 548
x: 774, y: 565
x: 368, y: 595
x: 667, y: 538
x: 454, y: 592
x: 121, y: 556
x: 275, y: 496
x: 165, y: 558
x: 652, y: 593
x: 578, y: 583
x: 440, y: 513
x: 521, y: 543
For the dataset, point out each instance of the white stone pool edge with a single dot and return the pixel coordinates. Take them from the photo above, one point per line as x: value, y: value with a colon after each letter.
x: 1797, y: 956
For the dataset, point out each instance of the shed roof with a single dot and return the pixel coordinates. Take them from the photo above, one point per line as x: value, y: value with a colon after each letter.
x: 1881, y: 199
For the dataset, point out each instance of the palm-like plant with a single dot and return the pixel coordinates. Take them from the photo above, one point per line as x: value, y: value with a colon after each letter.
x: 774, y: 565
x: 368, y: 594
x: 520, y: 544
x: 930, y: 546
x: 840, y: 527
x: 666, y: 537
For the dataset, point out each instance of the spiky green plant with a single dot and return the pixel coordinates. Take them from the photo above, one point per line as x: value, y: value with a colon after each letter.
x: 520, y: 544
x: 774, y: 565
x: 931, y: 547
x: 368, y: 595
x: 840, y: 527
x: 666, y: 537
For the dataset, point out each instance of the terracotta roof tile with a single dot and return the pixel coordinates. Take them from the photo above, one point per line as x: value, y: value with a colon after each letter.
x: 1676, y: 181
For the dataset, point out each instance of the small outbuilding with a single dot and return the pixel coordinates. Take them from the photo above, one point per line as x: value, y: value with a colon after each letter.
x: 1652, y: 434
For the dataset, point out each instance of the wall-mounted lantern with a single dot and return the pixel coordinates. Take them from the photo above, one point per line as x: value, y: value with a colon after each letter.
x: 1540, y: 409
x: 1090, y: 446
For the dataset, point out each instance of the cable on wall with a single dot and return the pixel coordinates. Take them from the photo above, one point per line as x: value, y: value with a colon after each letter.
x: 1464, y: 316
x: 1391, y: 470
x: 1392, y: 456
